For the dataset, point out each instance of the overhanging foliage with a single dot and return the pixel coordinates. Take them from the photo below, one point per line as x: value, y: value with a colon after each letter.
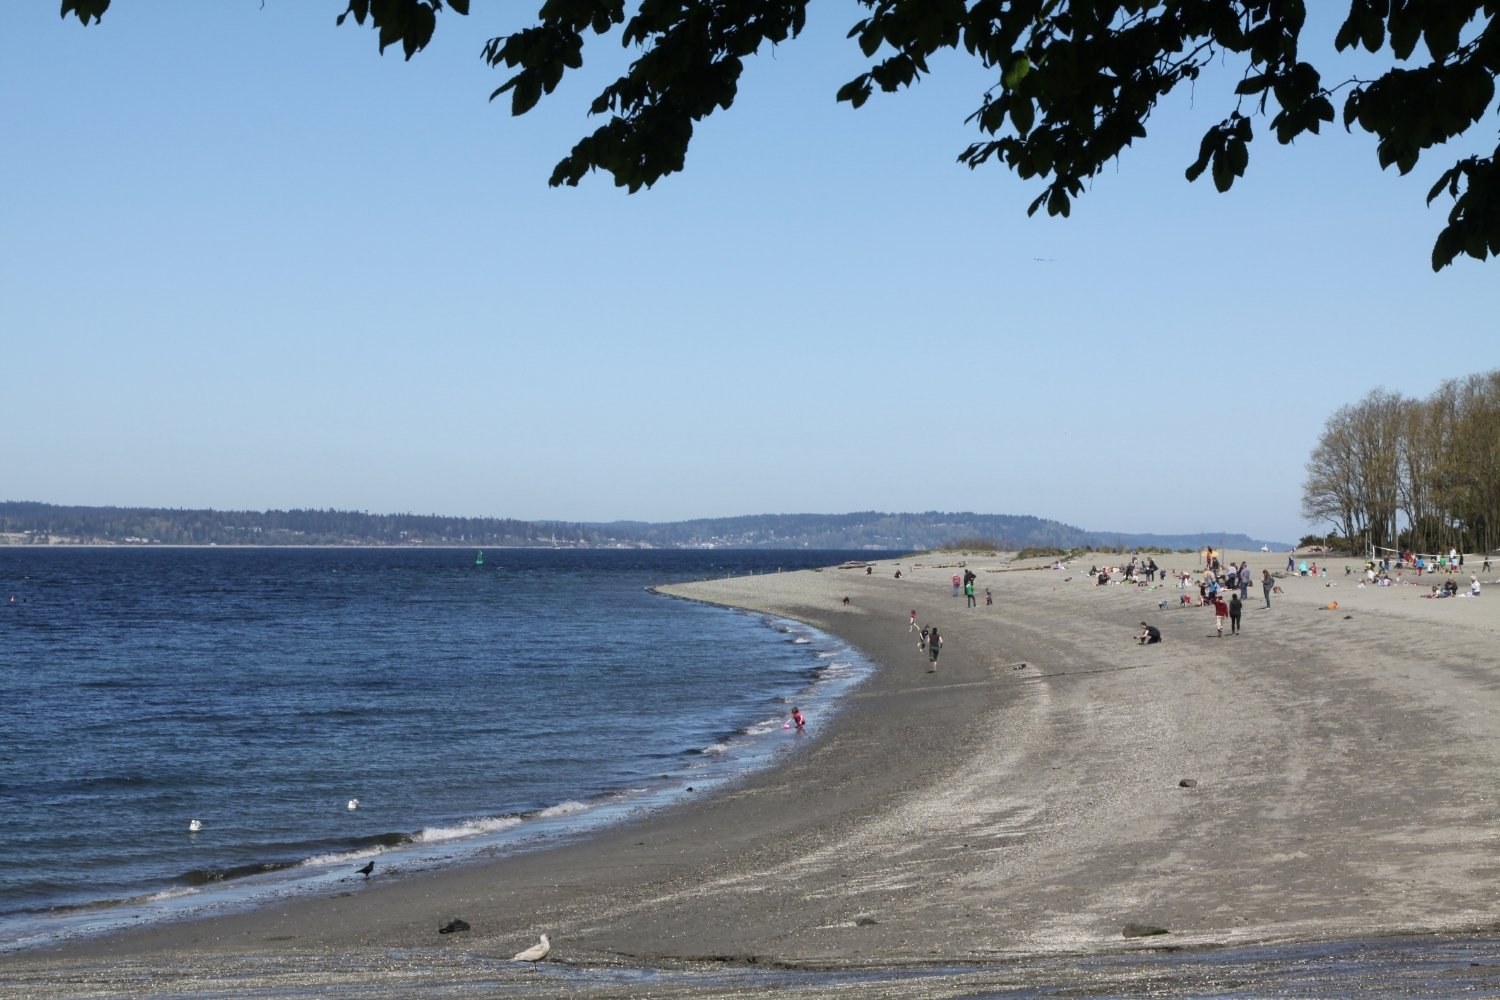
x: 1075, y: 81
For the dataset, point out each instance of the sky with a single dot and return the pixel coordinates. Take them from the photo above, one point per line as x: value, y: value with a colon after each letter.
x: 248, y: 262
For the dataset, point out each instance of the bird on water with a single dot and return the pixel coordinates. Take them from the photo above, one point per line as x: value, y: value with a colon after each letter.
x: 536, y: 952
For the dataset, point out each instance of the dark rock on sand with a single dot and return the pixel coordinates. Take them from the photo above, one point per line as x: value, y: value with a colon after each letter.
x: 1142, y: 930
x: 456, y: 924
x: 1188, y: 783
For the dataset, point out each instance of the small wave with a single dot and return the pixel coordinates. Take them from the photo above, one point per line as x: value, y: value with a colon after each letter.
x: 625, y: 793
x: 339, y: 857
x: 207, y: 876
x: 827, y: 654
x: 715, y: 749
x: 166, y: 894
x: 801, y: 640
x: 563, y: 809
x: 360, y: 847
x: 485, y: 824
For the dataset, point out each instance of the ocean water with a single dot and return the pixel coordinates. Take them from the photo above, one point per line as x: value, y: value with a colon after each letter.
x: 466, y: 707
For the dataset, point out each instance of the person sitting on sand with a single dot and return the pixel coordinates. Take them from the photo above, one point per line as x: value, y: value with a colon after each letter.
x: 1149, y: 634
x: 1473, y: 586
x: 798, y: 719
x: 1450, y: 588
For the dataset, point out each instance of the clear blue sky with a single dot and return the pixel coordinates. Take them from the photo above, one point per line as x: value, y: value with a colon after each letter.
x: 247, y: 262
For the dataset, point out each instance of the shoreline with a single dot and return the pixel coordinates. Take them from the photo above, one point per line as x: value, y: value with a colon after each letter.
x: 985, y: 815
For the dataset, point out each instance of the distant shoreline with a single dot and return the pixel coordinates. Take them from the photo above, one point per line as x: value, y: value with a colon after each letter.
x: 870, y: 531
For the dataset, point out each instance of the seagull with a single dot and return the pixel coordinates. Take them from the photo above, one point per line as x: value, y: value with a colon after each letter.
x: 536, y: 952
x: 367, y: 869
x: 195, y: 825
x: 353, y: 804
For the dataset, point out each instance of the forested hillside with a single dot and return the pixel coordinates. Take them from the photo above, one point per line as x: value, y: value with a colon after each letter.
x: 24, y: 523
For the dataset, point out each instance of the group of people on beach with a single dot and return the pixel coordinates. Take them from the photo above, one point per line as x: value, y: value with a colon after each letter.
x: 1451, y: 563
x: 1450, y: 588
x: 1225, y: 587
x: 1138, y: 571
x: 929, y: 642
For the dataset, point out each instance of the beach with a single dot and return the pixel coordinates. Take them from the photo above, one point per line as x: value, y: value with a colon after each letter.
x: 1054, y: 795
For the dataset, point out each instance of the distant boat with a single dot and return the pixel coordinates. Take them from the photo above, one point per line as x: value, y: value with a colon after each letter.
x: 479, y: 558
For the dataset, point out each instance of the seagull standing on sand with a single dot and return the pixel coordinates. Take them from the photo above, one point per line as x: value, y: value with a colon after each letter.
x: 536, y: 952
x: 367, y: 869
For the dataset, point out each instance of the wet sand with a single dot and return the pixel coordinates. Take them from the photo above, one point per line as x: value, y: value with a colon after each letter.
x: 1012, y: 813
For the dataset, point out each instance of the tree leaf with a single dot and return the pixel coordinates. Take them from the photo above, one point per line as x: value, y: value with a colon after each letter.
x: 527, y: 92
x: 1022, y: 115
x: 1058, y: 202
x: 1371, y: 29
x: 419, y: 29
x: 1253, y: 84
x: 1016, y: 73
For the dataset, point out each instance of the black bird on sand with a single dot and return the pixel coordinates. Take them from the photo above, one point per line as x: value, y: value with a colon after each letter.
x: 367, y: 869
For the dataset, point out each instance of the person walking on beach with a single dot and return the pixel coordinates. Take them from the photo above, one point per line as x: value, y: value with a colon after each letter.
x: 1221, y: 612
x: 922, y: 640
x: 1266, y: 583
x: 934, y: 647
x: 913, y: 626
x: 1244, y: 580
x: 1235, y: 606
x: 989, y: 598
x: 969, y: 593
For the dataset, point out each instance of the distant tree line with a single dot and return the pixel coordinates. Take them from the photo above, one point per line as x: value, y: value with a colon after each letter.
x: 39, y: 523
x: 167, y: 526
x: 1419, y: 474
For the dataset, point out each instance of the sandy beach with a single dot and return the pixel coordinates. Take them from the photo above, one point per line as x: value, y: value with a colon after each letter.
x: 1012, y: 818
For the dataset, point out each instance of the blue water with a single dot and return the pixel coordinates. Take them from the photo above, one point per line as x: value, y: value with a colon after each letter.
x: 466, y: 707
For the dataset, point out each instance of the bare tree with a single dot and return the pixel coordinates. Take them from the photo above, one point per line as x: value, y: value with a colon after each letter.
x: 1331, y: 492
x: 1468, y: 474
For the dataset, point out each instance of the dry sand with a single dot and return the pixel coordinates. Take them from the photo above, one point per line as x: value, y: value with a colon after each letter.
x: 1003, y: 818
